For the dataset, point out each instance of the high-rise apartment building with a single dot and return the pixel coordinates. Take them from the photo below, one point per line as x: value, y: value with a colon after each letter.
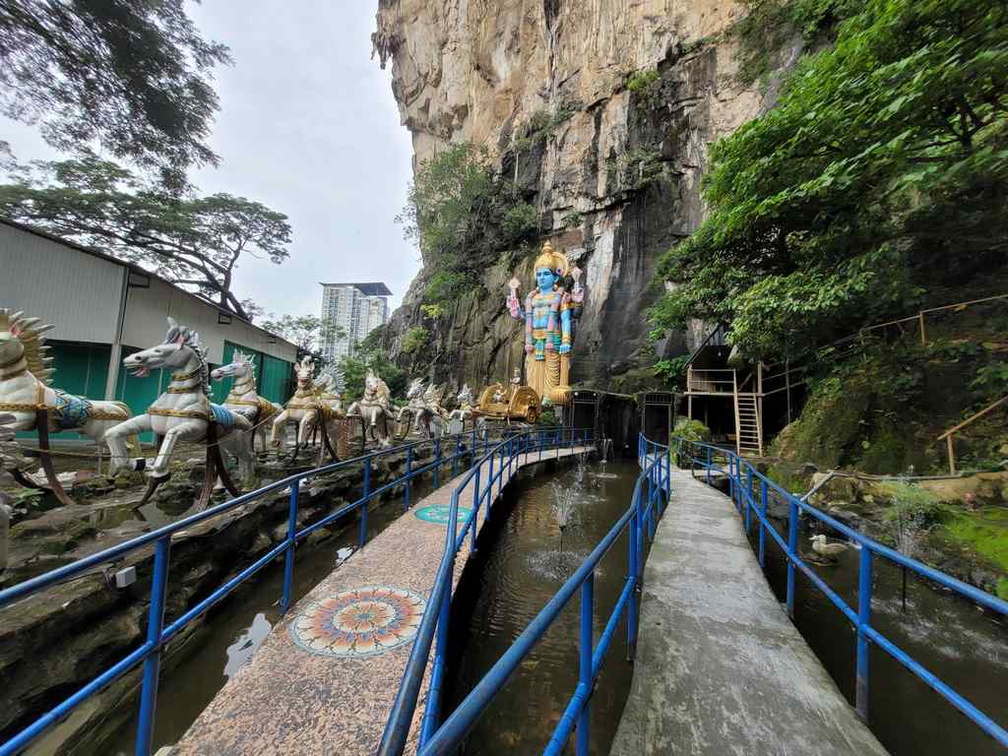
x: 357, y: 308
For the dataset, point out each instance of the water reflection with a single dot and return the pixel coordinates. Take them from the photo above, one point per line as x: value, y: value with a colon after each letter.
x: 240, y: 652
x: 515, y: 572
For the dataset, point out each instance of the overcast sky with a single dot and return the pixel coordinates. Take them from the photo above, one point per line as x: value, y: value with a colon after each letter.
x: 308, y: 126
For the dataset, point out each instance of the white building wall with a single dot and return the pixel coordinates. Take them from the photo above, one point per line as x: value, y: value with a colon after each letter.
x: 81, y: 294
x: 147, y: 310
x: 76, y: 292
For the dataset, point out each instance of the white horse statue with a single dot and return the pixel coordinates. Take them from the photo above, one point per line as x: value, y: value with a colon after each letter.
x: 458, y: 416
x: 374, y: 407
x: 243, y: 398
x: 27, y: 393
x: 424, y: 406
x: 311, y: 402
x: 183, y: 412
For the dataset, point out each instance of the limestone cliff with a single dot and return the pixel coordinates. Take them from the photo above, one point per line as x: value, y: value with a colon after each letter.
x: 628, y: 96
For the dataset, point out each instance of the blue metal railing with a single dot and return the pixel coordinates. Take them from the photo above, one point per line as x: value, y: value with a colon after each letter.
x: 158, y: 634
x: 650, y: 497
x: 744, y: 479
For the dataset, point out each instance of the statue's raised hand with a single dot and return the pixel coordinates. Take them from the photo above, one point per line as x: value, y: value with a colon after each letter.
x: 565, y: 348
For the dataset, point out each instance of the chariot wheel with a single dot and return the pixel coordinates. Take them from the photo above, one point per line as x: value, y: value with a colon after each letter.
x: 403, y: 427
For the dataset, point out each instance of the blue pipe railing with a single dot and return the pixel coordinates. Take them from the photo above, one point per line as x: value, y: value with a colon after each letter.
x: 744, y: 496
x: 650, y: 497
x: 158, y: 634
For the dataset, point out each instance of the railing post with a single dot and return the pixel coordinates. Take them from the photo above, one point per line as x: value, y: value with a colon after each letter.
x: 747, y: 494
x: 432, y: 713
x: 631, y: 627
x: 490, y: 484
x: 472, y: 447
x: 409, y: 478
x: 864, y: 620
x: 731, y: 481
x: 668, y: 476
x: 585, y: 659
x: 152, y: 664
x: 362, y: 535
x: 288, y: 581
x: 437, y: 462
x: 458, y: 453
x: 792, y: 552
x: 762, y: 527
x: 708, y: 464
x: 476, y: 506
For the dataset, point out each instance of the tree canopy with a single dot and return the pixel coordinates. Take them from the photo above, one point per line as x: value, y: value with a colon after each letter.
x: 194, y: 241
x: 132, y: 77
x: 462, y: 213
x: 355, y: 369
x: 306, y: 331
x: 881, y: 175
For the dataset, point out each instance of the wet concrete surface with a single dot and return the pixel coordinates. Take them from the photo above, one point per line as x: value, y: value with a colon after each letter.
x: 720, y: 669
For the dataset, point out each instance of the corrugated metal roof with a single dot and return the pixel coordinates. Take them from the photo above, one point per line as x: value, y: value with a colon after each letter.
x: 135, y: 268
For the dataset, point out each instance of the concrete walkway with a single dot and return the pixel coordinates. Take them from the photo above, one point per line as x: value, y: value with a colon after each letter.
x: 720, y: 669
x: 324, y: 680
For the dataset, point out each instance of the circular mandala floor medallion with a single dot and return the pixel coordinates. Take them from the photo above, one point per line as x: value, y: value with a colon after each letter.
x: 361, y: 622
x: 439, y: 514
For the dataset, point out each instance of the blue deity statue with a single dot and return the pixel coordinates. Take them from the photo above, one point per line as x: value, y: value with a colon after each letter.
x: 548, y: 312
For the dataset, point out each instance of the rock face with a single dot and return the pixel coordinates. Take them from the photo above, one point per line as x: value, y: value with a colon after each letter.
x: 628, y: 94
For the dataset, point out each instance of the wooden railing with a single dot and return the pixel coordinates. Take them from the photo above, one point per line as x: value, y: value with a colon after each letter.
x: 948, y: 435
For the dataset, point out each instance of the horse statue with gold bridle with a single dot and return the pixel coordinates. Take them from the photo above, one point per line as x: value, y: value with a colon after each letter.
x: 184, y: 413
x: 243, y: 399
x: 315, y: 405
x: 424, y: 409
x: 374, y: 409
x: 26, y: 392
x: 464, y: 411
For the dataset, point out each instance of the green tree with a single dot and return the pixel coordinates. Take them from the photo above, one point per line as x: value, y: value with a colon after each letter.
x: 355, y: 369
x: 132, y: 77
x: 881, y: 174
x: 195, y: 241
x: 308, y: 332
x: 462, y: 214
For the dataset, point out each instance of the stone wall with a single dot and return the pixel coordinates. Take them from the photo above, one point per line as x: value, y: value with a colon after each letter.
x: 617, y: 176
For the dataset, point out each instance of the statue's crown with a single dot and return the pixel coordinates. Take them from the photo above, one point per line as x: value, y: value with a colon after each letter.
x: 555, y: 261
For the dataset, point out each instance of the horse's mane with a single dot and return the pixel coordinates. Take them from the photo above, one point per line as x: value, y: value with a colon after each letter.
x: 191, y: 339
x: 383, y: 389
x: 243, y: 358
x: 32, y: 342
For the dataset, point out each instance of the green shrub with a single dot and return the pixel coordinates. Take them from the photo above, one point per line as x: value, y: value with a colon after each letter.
x: 415, y: 341
x: 445, y: 286
x: 432, y: 310
x: 690, y: 430
x: 462, y: 213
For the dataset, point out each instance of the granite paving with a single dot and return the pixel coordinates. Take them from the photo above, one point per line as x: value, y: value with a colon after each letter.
x: 324, y: 680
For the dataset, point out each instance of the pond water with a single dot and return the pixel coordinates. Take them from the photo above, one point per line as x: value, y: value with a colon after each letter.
x: 964, y: 646
x: 517, y: 568
x: 236, y: 628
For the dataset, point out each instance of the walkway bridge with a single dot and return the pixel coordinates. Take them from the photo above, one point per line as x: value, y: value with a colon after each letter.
x: 305, y: 692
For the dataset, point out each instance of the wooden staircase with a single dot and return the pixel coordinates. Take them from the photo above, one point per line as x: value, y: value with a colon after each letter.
x: 748, y: 430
